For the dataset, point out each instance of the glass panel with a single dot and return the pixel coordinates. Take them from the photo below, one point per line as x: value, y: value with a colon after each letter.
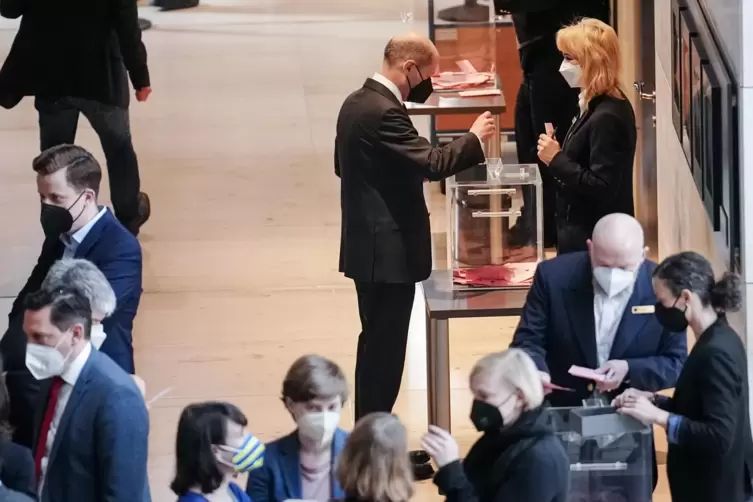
x: 615, y: 466
x: 495, y: 228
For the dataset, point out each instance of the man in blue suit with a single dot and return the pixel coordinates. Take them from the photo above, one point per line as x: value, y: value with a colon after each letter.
x: 595, y: 309
x: 75, y: 226
x: 91, y: 435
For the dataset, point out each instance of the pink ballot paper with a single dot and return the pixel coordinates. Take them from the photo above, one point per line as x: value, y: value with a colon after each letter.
x: 587, y: 373
x: 466, y: 66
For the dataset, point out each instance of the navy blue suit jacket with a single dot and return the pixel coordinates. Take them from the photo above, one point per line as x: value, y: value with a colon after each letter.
x: 100, y: 448
x: 557, y: 330
x: 117, y: 253
x: 280, y: 477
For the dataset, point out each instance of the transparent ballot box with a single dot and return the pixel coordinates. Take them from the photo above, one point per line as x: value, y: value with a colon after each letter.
x: 495, y: 226
x: 610, y: 454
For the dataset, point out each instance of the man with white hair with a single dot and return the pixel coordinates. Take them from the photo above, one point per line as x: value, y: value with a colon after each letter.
x: 595, y: 309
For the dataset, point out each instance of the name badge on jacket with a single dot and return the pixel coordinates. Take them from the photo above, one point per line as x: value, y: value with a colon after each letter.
x: 643, y: 309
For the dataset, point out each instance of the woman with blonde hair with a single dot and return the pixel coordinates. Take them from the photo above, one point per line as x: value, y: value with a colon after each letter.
x: 593, y: 169
x: 374, y: 465
x: 517, y: 457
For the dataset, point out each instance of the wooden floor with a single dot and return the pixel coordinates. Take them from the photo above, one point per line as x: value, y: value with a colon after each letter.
x: 240, y: 275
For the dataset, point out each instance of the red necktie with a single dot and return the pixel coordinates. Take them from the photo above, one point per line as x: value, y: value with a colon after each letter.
x: 49, y: 412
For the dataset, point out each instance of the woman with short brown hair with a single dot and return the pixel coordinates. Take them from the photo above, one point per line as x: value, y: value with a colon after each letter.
x: 374, y: 466
x: 301, y: 464
x: 593, y: 170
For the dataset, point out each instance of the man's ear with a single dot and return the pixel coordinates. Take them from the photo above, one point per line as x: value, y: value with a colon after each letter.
x: 78, y: 331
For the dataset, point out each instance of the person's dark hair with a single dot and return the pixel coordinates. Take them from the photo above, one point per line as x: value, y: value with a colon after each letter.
x: 691, y: 271
x: 399, y: 50
x: 83, y: 170
x: 201, y: 426
x: 6, y: 432
x: 314, y: 377
x: 67, y: 307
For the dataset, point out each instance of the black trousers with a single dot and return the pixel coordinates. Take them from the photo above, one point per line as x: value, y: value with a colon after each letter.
x: 544, y: 97
x: 58, y: 122
x: 385, y: 317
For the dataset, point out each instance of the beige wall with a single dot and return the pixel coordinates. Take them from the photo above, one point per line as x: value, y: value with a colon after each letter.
x: 683, y: 222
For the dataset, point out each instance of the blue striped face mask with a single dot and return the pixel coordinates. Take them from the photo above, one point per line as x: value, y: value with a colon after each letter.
x: 247, y: 457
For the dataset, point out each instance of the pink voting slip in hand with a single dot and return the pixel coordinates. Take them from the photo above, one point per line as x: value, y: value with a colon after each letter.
x: 551, y: 386
x: 587, y: 373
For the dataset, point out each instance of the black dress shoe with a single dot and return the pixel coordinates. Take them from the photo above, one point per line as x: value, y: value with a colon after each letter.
x: 144, y: 212
x: 422, y: 469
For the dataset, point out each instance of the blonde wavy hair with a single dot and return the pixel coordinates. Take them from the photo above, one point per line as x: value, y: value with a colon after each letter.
x: 374, y: 465
x: 594, y: 45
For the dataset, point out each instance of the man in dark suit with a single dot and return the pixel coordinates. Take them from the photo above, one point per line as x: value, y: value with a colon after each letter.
x: 73, y: 57
x: 91, y: 434
x: 75, y: 226
x: 385, y: 244
x: 595, y: 309
x: 544, y: 96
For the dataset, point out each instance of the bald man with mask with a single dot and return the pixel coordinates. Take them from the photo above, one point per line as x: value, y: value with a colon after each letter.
x: 595, y: 309
x: 385, y: 245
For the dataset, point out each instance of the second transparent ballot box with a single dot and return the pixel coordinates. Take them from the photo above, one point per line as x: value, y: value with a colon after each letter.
x: 610, y: 454
x: 495, y: 226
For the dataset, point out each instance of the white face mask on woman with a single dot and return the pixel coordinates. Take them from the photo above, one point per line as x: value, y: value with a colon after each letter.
x: 571, y: 73
x: 98, y: 335
x: 318, y: 427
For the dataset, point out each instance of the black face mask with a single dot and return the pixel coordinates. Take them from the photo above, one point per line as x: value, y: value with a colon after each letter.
x: 57, y: 220
x: 486, y: 417
x: 671, y: 318
x: 421, y: 92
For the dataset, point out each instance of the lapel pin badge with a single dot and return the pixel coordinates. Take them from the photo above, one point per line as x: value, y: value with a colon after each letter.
x: 643, y: 309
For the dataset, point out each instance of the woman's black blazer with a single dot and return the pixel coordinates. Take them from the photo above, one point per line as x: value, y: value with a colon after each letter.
x: 593, y: 173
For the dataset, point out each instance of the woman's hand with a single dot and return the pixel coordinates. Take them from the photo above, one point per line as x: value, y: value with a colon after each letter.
x: 547, y: 148
x: 631, y: 395
x: 440, y: 446
x: 642, y: 410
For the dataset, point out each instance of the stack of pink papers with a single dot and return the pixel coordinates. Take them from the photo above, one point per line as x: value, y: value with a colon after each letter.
x: 461, y: 80
x: 496, y: 276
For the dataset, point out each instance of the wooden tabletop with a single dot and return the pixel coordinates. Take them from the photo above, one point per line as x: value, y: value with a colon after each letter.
x: 450, y: 103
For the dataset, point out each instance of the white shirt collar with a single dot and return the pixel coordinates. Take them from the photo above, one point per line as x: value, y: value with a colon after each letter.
x: 79, y: 235
x: 389, y: 84
x: 74, y: 369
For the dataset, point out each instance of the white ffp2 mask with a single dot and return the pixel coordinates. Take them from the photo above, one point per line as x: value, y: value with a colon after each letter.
x: 318, y: 427
x: 98, y: 335
x: 613, y: 280
x: 571, y: 73
x: 44, y: 362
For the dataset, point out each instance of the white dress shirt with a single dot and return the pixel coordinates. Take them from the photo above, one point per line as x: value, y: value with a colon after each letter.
x: 69, y: 376
x: 72, y: 242
x: 608, y: 313
x: 389, y: 84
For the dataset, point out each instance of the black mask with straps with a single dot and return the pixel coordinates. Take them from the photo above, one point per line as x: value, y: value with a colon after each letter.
x: 671, y: 318
x: 421, y: 92
x: 58, y: 220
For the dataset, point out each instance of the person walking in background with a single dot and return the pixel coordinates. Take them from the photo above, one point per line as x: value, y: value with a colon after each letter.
x: 518, y: 457
x: 544, y: 96
x: 212, y: 447
x: 301, y: 465
x: 385, y: 244
x: 374, y: 465
x: 707, y: 419
x: 73, y: 58
x: 593, y: 169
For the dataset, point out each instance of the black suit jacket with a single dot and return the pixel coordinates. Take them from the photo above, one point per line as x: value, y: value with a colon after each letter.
x: 713, y: 459
x: 594, y: 171
x: 382, y: 163
x: 79, y: 49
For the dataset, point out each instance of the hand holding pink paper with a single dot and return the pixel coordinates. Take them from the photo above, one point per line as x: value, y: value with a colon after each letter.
x: 587, y: 373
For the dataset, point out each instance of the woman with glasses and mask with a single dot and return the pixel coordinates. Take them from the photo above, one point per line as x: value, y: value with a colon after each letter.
x: 211, y: 449
x: 710, y: 457
x: 518, y: 457
x: 375, y: 465
x: 593, y: 169
x: 301, y: 464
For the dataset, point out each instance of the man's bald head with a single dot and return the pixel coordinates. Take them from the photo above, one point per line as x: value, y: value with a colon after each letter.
x: 617, y: 242
x: 410, y: 47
